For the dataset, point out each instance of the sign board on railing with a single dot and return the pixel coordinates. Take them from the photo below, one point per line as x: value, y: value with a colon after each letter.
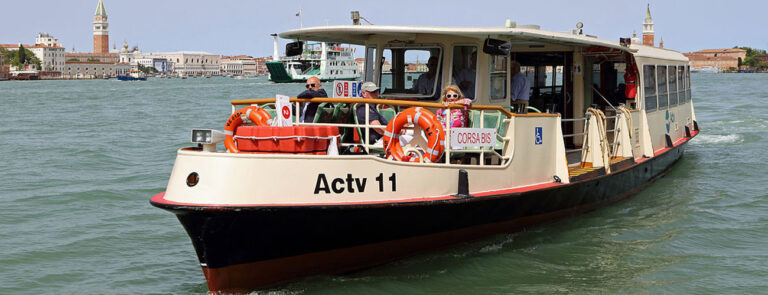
x: 347, y: 89
x: 471, y: 137
x: 283, y: 110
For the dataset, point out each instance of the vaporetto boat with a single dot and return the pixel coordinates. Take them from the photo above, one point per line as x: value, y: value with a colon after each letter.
x: 326, y: 61
x: 282, y: 203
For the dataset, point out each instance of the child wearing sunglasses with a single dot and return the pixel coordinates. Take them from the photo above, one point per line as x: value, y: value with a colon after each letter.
x: 452, y: 95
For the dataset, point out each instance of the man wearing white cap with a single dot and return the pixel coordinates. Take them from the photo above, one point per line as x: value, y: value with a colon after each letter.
x: 370, y: 90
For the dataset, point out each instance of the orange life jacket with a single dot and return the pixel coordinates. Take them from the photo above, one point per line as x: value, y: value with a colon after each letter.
x: 630, y: 80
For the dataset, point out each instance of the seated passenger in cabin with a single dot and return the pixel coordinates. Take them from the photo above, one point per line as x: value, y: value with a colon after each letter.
x: 520, y: 88
x: 371, y: 91
x: 466, y: 77
x: 425, y: 84
x: 314, y: 89
x: 458, y: 117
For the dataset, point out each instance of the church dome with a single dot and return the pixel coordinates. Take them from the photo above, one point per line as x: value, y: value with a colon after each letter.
x: 125, y: 47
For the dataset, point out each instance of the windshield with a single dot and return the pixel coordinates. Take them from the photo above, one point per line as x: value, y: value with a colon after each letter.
x: 411, y: 72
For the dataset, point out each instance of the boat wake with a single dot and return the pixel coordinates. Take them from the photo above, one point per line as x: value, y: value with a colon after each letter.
x: 718, y: 139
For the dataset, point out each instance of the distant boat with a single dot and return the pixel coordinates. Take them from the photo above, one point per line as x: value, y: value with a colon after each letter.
x: 133, y: 75
x: 327, y: 61
x: 706, y: 70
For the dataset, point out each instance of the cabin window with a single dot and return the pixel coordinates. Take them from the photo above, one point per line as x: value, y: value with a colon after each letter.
x: 661, y: 88
x: 672, y: 75
x: 681, y: 84
x: 649, y: 87
x: 688, y: 83
x: 411, y: 72
x: 499, y: 72
x: 465, y: 69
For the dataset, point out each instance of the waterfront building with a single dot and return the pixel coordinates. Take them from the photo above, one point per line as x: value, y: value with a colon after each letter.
x: 101, y: 63
x: 261, y: 65
x: 91, y: 57
x: 719, y: 59
x: 193, y: 63
x: 648, y: 31
x: 51, y: 55
x: 94, y: 70
x: 100, y: 30
x: 239, y: 65
x: 186, y: 63
x: 160, y: 64
x: 47, y: 39
x: 763, y: 58
x: 386, y: 67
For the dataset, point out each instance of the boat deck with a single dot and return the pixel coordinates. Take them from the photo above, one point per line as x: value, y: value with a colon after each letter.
x: 577, y: 173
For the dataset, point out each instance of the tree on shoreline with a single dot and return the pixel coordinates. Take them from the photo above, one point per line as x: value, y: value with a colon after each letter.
x: 22, y: 54
x: 19, y: 58
x: 752, y: 59
x: 146, y: 70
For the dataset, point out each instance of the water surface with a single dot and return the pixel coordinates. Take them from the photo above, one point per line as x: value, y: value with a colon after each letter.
x: 82, y: 158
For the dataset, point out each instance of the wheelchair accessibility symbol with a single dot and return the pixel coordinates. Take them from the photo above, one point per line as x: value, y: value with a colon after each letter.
x: 539, y: 138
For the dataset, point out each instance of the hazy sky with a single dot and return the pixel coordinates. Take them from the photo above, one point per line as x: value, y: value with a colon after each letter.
x: 232, y: 27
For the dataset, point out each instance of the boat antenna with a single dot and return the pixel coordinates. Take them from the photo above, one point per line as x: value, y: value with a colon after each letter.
x: 301, y: 23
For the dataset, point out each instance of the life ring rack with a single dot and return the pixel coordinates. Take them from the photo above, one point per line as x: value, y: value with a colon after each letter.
x: 432, y: 128
x: 258, y: 115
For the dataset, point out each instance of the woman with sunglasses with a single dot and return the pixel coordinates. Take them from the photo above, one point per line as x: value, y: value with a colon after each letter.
x: 452, y: 95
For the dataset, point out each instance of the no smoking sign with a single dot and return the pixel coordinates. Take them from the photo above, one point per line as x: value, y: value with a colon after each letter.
x: 286, y: 112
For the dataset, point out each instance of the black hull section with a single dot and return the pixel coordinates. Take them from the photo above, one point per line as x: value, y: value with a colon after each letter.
x: 246, y: 247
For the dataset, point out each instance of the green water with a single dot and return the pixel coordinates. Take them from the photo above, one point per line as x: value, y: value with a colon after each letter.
x: 81, y: 159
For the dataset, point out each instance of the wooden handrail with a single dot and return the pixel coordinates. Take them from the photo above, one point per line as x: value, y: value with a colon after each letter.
x: 392, y: 102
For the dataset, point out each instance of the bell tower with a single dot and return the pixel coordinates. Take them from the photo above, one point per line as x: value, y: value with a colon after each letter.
x: 648, y: 28
x: 100, y: 30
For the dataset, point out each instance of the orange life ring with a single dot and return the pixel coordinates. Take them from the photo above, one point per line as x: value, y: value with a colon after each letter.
x: 427, y: 122
x: 256, y: 114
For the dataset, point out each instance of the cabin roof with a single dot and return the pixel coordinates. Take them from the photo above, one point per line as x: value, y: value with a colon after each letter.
x: 644, y: 51
x: 358, y: 34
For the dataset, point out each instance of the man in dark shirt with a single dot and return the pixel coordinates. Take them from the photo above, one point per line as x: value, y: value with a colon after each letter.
x: 314, y: 89
x: 370, y: 90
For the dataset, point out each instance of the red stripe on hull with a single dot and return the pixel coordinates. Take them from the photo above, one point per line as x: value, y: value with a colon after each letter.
x: 160, y: 199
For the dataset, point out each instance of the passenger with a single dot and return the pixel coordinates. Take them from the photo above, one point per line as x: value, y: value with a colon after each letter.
x: 452, y: 94
x: 314, y: 89
x: 520, y: 86
x: 466, y: 77
x: 371, y: 91
x: 426, y: 81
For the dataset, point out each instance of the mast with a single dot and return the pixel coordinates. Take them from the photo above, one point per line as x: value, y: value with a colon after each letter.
x: 323, y: 58
x: 275, y: 53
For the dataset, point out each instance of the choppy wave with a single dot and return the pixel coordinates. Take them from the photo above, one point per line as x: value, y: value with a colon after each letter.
x: 718, y: 139
x: 76, y: 216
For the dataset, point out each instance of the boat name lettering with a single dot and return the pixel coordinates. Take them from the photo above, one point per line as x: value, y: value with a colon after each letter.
x: 349, y: 184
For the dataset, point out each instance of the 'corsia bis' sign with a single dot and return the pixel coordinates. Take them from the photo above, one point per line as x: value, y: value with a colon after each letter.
x: 466, y: 137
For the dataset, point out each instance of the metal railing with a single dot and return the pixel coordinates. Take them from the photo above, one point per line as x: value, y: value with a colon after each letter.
x: 366, y: 126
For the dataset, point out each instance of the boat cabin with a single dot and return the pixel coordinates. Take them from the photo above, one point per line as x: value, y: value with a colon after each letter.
x: 567, y: 72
